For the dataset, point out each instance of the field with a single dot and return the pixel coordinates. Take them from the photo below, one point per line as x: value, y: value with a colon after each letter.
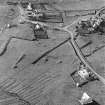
x: 48, y: 81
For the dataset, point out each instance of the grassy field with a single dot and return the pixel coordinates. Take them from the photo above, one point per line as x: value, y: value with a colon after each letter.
x: 47, y: 82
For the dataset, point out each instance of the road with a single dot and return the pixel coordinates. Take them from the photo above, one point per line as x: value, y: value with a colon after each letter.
x: 76, y: 47
x: 79, y: 52
x: 71, y: 41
